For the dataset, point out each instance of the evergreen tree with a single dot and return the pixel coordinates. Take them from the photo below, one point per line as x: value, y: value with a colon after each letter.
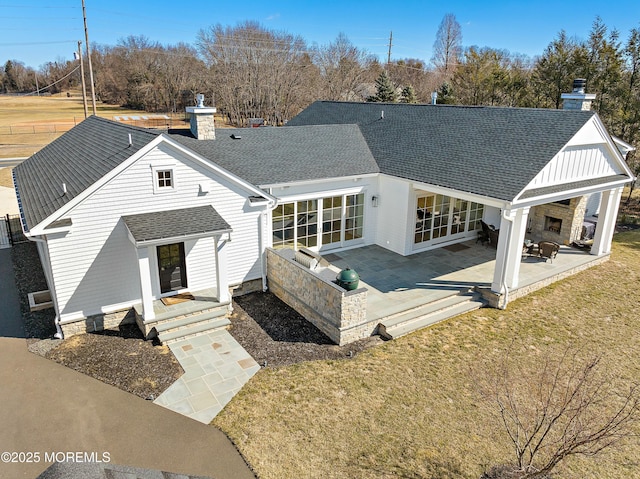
x: 408, y: 95
x: 385, y: 91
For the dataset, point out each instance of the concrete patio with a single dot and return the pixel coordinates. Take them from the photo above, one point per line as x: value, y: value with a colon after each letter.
x: 397, y: 283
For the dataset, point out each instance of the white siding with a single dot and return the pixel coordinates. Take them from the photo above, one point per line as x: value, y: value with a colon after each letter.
x: 586, y: 155
x: 201, y: 264
x: 95, y: 265
x: 576, y: 163
x: 394, y: 211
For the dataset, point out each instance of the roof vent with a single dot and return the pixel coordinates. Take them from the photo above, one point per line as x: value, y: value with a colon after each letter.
x: 130, y: 140
x: 382, y: 115
x: 236, y: 136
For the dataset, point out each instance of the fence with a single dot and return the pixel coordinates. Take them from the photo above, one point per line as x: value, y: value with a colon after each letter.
x: 11, y: 231
x: 159, y: 122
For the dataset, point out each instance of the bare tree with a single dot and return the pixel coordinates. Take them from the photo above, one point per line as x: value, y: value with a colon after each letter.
x: 565, y: 406
x: 256, y: 72
x: 343, y: 69
x: 448, y: 45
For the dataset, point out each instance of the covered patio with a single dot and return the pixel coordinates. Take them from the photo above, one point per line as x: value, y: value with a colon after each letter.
x: 399, y: 283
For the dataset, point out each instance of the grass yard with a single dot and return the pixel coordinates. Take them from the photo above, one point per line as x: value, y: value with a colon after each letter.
x: 410, y: 408
x: 44, y: 114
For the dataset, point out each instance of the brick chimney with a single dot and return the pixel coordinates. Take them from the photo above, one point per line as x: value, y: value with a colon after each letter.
x: 577, y: 99
x: 202, y: 124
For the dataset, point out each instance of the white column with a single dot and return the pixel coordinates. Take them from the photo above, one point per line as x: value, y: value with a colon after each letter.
x: 144, y: 266
x: 606, y: 221
x: 516, y: 242
x: 222, y: 279
x: 513, y: 227
x: 499, y: 273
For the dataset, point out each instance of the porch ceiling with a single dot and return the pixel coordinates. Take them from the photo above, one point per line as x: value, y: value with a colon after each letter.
x: 179, y: 224
x: 397, y: 283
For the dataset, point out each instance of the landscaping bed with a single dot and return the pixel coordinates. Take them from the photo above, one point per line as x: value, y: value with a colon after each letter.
x: 272, y: 332
x: 276, y: 335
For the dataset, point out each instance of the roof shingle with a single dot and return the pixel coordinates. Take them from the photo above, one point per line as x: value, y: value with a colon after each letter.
x: 489, y: 151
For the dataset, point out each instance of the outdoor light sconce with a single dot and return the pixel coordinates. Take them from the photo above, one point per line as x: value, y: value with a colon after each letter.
x: 375, y: 200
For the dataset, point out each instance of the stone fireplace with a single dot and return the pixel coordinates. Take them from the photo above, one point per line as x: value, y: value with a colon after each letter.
x: 560, y: 222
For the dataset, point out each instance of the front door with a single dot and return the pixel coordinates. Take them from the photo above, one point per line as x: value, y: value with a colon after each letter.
x: 172, y: 267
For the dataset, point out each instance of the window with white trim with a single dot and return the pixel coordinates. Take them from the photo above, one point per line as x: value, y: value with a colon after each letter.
x: 164, y: 179
x: 322, y: 223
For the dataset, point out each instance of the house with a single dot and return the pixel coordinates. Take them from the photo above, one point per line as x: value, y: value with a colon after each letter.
x: 124, y: 216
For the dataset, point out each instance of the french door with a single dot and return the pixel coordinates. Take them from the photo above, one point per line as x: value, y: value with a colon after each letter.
x: 325, y: 223
x: 441, y: 217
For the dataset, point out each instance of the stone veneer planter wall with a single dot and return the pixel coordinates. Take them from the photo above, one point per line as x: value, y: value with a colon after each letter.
x: 339, y: 314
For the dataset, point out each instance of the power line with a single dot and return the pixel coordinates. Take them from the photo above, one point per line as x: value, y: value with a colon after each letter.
x: 35, y: 43
x: 55, y: 82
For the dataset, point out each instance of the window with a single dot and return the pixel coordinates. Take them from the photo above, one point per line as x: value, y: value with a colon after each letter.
x: 439, y: 216
x: 165, y: 178
x: 318, y: 223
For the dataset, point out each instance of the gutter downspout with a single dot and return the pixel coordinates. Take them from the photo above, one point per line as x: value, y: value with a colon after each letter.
x: 59, y: 334
x: 261, y: 230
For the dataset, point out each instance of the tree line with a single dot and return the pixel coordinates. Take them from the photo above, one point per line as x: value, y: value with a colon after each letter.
x: 250, y: 71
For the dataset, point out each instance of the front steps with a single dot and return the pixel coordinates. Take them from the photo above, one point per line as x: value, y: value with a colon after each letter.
x: 184, y: 320
x: 405, y: 322
x: 182, y: 327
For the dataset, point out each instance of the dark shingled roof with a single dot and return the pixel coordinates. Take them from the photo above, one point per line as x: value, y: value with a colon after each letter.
x: 78, y: 159
x: 489, y: 151
x: 175, y: 223
x: 268, y: 155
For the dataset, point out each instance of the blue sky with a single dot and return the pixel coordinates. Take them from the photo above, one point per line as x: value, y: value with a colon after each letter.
x: 38, y: 31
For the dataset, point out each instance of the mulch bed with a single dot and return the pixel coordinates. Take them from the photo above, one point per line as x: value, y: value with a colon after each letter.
x: 276, y: 335
x: 272, y: 332
x: 121, y: 358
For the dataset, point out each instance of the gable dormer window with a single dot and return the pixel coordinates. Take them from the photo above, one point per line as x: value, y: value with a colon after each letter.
x: 164, y: 179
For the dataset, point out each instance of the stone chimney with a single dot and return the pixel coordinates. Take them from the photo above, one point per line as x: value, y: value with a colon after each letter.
x: 577, y: 99
x: 202, y: 124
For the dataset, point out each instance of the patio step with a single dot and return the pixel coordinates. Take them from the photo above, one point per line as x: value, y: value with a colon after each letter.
x: 194, y: 324
x: 417, y: 318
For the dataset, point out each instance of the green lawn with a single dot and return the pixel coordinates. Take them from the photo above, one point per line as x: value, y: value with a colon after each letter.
x: 410, y: 408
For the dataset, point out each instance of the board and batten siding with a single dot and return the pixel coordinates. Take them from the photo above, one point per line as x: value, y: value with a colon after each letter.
x: 95, y: 265
x: 574, y: 164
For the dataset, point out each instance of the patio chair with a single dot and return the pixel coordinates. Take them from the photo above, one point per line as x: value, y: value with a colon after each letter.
x: 548, y: 250
x: 529, y: 249
x: 483, y: 234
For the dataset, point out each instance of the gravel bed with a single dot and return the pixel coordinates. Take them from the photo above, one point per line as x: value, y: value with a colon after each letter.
x: 276, y: 335
x: 29, y: 278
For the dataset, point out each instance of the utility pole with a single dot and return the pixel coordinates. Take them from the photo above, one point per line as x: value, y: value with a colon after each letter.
x: 37, y: 87
x: 86, y: 37
x: 84, y: 84
x: 390, y: 43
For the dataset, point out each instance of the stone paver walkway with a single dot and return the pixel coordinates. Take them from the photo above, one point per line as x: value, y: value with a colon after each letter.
x: 215, y: 369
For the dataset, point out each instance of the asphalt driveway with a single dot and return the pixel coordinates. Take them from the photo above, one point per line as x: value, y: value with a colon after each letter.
x: 48, y: 409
